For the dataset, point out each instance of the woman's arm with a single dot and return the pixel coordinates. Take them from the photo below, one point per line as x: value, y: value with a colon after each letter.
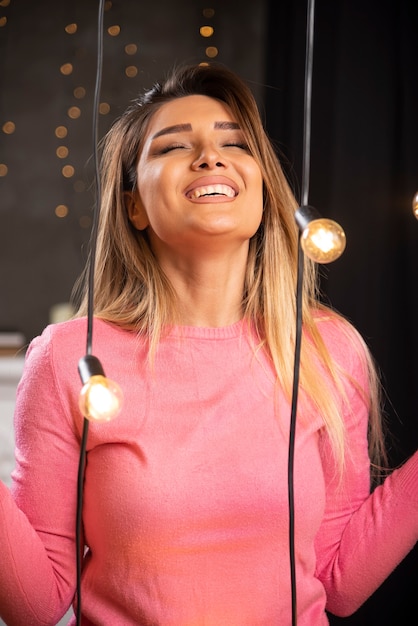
x: 37, y: 521
x: 363, y: 536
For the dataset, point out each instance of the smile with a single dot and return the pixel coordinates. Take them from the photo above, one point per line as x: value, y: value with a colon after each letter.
x: 212, y: 190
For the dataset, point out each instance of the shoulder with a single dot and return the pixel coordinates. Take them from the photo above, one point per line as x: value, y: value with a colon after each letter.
x: 62, y: 345
x: 50, y: 375
x: 335, y: 328
x: 343, y: 341
x: 59, y: 341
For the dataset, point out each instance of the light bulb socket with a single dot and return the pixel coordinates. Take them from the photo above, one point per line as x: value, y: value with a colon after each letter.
x: 89, y: 366
x: 304, y: 215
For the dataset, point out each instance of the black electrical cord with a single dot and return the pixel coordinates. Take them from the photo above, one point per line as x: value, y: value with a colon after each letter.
x: 306, y: 152
x: 292, y: 435
x: 93, y: 242
x: 90, y: 304
x: 299, y: 291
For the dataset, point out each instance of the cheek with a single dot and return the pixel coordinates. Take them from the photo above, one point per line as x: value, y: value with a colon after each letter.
x: 156, y: 190
x: 156, y: 184
x: 151, y: 192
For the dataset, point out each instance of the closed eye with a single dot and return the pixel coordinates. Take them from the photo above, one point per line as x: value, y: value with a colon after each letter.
x: 180, y: 146
x: 171, y: 147
x: 242, y: 146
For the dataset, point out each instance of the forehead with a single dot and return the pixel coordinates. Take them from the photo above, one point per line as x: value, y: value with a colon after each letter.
x: 192, y: 110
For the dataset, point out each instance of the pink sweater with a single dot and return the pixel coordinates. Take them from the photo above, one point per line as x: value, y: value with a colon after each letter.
x: 185, y: 501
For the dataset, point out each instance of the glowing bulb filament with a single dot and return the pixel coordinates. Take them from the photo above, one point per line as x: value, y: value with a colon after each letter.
x: 322, y: 240
x: 100, y: 399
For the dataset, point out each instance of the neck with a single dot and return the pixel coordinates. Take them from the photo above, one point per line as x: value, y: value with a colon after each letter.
x: 209, y: 290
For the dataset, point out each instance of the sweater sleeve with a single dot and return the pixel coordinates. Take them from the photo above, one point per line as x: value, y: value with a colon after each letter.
x: 363, y: 536
x: 37, y: 520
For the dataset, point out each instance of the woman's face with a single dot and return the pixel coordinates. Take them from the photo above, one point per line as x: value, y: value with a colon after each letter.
x: 197, y: 184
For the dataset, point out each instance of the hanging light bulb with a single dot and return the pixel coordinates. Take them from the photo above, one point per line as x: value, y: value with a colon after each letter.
x: 322, y: 239
x: 415, y: 205
x: 100, y: 399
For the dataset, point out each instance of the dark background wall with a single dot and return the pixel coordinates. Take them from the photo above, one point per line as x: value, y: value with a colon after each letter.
x: 364, y: 169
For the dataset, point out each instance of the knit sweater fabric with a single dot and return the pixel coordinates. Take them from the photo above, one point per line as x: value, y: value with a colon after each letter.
x: 185, y: 510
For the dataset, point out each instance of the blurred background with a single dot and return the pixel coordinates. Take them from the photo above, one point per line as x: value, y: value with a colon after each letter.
x: 364, y: 163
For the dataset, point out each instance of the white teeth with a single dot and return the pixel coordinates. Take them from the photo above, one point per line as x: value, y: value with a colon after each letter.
x: 223, y: 190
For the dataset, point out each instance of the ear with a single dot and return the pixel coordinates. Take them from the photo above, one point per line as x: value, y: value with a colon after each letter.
x: 136, y: 212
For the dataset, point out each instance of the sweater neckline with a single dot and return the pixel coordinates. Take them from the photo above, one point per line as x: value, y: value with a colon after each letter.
x: 208, y: 332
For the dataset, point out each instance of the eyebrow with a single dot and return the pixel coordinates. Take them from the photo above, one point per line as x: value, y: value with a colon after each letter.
x: 179, y: 128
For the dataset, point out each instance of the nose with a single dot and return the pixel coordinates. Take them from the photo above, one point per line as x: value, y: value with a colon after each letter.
x: 208, y: 158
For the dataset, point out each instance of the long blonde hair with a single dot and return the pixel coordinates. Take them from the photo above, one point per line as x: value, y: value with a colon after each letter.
x: 131, y: 290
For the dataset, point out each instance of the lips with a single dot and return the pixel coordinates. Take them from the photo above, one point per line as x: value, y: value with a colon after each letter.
x: 212, y: 187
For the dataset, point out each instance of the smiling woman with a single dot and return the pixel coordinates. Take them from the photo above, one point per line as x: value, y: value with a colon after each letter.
x: 186, y: 517
x: 198, y: 181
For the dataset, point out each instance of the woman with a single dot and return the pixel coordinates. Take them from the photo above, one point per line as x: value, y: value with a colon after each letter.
x: 185, y: 499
